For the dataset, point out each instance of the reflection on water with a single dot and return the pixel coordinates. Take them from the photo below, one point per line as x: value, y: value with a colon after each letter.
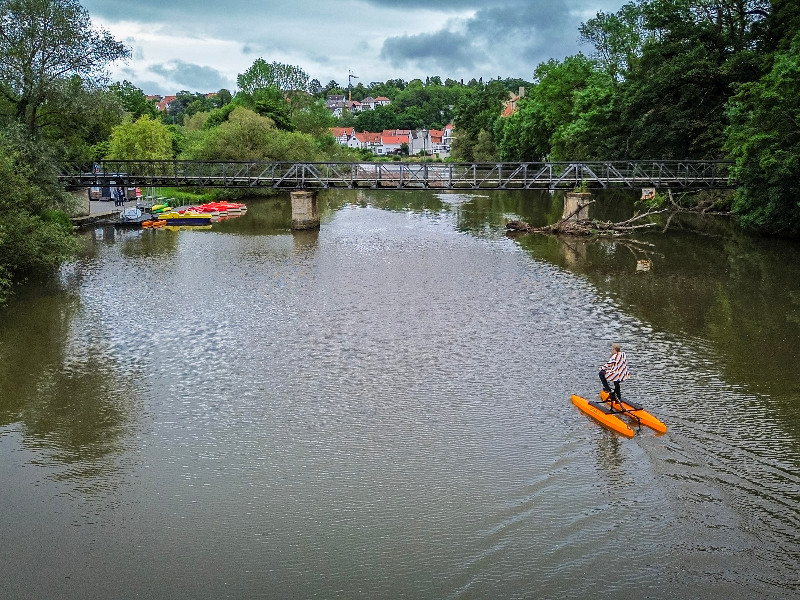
x: 381, y: 409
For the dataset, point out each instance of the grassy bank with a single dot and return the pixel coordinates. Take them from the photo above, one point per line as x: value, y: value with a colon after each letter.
x: 181, y: 196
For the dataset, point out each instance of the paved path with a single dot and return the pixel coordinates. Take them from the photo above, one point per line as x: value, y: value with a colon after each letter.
x: 101, y: 207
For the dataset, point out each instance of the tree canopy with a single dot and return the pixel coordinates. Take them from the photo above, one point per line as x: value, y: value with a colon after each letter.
x: 277, y: 75
x: 142, y: 139
x: 44, y: 43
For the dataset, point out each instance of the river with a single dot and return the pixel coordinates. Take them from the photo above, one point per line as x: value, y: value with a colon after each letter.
x: 381, y: 409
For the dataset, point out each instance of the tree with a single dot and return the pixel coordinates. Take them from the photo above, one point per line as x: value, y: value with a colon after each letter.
x: 143, y: 139
x: 133, y: 100
x: 247, y: 135
x: 263, y: 75
x: 44, y: 42
x: 332, y: 88
x: 185, y: 105
x: 673, y: 97
x: 270, y: 102
x: 315, y: 87
x: 35, y: 234
x: 314, y: 119
x: 477, y: 110
x: 617, y: 39
x: 81, y: 121
x: 484, y: 149
x: 764, y: 140
x: 221, y: 98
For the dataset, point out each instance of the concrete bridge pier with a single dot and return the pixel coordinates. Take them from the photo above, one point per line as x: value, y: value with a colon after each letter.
x: 304, y: 209
x: 571, y: 203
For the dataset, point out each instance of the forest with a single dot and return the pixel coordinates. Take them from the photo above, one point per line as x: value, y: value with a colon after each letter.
x: 660, y: 79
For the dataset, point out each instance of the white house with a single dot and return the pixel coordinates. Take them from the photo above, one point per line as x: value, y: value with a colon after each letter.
x: 343, y: 135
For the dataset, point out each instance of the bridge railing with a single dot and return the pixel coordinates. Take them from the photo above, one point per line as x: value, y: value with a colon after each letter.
x: 401, y: 175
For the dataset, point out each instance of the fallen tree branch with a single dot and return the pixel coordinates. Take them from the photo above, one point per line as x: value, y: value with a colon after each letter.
x: 586, y: 226
x: 574, y: 212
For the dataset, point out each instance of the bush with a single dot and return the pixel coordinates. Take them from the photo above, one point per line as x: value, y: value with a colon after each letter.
x: 35, y: 233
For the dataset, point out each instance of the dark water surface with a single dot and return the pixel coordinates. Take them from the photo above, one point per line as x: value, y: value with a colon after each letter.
x: 381, y: 410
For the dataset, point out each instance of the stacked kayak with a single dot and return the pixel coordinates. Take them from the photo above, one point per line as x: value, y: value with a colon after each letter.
x: 157, y: 209
x: 185, y: 217
x: 608, y: 411
x: 221, y: 208
x: 193, y: 216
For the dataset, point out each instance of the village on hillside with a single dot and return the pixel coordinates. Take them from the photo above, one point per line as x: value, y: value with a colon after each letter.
x: 427, y: 142
x: 389, y: 142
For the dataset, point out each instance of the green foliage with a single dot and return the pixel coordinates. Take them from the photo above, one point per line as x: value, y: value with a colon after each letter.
x: 477, y: 110
x: 221, y: 98
x: 262, y: 75
x: 35, y: 235
x: 77, y: 117
x: 592, y: 131
x: 142, y: 139
x: 196, y: 122
x: 219, y: 115
x: 542, y: 126
x: 133, y: 100
x: 764, y: 140
x: 270, y: 102
x: 617, y: 39
x: 378, y: 119
x: 484, y: 150
x: 36, y: 59
x: 247, y: 135
x: 313, y: 118
x: 187, y: 104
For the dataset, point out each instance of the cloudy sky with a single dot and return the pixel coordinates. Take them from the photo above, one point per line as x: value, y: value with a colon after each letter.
x: 202, y: 45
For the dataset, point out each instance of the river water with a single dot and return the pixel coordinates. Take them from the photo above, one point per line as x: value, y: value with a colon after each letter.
x: 381, y: 409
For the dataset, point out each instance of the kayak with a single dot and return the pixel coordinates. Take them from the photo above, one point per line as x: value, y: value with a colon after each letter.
x: 601, y: 412
x: 185, y: 218
x: 640, y: 415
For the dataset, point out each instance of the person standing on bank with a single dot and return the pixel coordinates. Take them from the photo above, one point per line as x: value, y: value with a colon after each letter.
x: 615, y: 371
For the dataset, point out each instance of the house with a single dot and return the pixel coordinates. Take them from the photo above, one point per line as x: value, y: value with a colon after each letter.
x: 165, y: 102
x: 510, y: 105
x: 343, y: 135
x: 447, y: 136
x: 335, y: 103
x: 392, y: 140
x: 419, y: 141
x: 369, y: 140
x: 438, y: 147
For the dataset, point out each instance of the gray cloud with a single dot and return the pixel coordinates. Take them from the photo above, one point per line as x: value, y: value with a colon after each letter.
x: 377, y: 39
x: 444, y: 50
x: 504, y: 37
x: 192, y: 77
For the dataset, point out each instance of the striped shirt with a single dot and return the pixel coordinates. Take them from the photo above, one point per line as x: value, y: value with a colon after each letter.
x: 616, y: 369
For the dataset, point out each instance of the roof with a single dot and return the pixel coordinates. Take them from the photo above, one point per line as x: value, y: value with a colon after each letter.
x: 342, y: 131
x: 367, y: 137
x: 394, y: 139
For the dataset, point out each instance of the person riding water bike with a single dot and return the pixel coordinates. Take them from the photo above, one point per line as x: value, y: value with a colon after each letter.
x: 615, y: 371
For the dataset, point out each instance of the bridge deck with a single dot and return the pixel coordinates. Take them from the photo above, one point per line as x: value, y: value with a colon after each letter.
x: 399, y: 175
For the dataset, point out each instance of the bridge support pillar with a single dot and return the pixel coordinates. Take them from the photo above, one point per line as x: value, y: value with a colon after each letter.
x: 304, y: 210
x: 572, y: 202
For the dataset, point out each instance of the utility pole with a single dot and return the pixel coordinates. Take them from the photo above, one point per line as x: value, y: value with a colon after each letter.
x: 350, y: 78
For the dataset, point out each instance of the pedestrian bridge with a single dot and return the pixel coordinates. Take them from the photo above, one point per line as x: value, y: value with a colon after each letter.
x: 684, y: 174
